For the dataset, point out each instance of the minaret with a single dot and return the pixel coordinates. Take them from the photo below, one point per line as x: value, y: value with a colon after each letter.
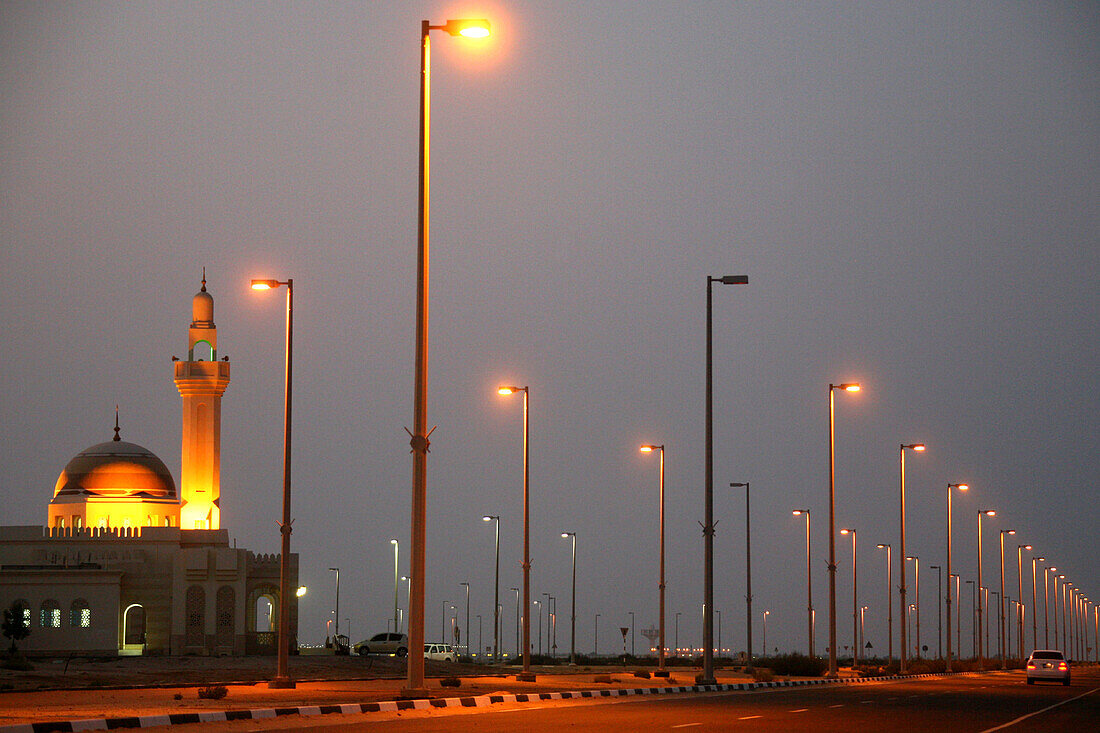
x: 201, y: 381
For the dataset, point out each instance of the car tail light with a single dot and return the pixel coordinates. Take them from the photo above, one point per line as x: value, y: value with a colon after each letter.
x: 1031, y: 665
x: 1061, y: 665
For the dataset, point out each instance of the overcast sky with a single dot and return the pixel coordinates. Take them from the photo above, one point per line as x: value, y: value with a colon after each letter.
x: 912, y: 189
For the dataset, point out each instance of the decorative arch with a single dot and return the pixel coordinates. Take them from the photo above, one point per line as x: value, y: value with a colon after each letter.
x: 80, y: 614
x: 202, y: 350
x: 195, y: 610
x: 50, y: 614
x: 225, y: 617
x: 263, y: 609
x: 133, y: 626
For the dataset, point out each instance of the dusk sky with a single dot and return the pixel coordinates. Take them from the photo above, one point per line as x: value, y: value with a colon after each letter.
x: 913, y: 190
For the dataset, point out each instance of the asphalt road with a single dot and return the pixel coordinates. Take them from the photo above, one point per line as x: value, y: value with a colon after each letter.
x: 998, y: 701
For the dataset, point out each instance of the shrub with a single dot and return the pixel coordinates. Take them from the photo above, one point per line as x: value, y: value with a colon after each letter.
x: 213, y: 692
x: 762, y: 674
x: 450, y: 682
x: 643, y: 674
x: 797, y: 665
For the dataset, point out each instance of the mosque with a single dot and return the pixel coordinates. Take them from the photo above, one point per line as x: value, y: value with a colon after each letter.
x: 127, y: 565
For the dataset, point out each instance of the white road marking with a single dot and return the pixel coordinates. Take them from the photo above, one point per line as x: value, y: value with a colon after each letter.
x: 686, y: 725
x: 1049, y: 707
x: 800, y: 710
x: 865, y: 702
x: 837, y: 706
x: 749, y: 717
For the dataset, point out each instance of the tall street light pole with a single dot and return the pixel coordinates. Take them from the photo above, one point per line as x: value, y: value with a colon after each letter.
x: 855, y: 603
x: 707, y: 677
x: 809, y: 585
x: 960, y: 487
x: 661, y: 543
x: 526, y: 675
x: 1001, y: 602
x: 414, y: 683
x: 1035, y: 602
x: 748, y: 572
x: 919, y: 448
x: 916, y: 603
x: 889, y: 601
x: 396, y: 584
x: 766, y: 614
x: 516, y: 591
x: 466, y: 631
x: 337, y: 610
x: 981, y: 513
x: 939, y: 610
x: 495, y: 519
x: 573, y: 601
x: 1020, y: 594
x: 596, y: 637
x: 847, y: 387
x: 282, y: 675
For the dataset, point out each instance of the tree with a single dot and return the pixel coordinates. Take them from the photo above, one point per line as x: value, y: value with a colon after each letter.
x: 15, y: 625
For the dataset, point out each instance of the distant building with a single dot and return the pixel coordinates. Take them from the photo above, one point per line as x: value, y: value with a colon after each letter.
x: 124, y: 565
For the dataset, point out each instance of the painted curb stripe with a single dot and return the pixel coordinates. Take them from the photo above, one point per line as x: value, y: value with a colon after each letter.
x: 147, y: 721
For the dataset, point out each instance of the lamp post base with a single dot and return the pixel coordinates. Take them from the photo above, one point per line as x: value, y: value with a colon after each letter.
x: 831, y: 675
x: 701, y: 680
x: 525, y: 676
x: 413, y: 693
x: 281, y: 683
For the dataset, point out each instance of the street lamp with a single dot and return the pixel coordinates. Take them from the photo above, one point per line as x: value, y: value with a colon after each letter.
x: 282, y: 675
x: 676, y: 641
x: 516, y: 591
x: 939, y: 610
x: 855, y: 603
x: 960, y: 487
x: 981, y: 513
x: 889, y: 600
x: 809, y: 586
x: 707, y: 677
x: 596, y: 637
x: 466, y: 631
x: 1001, y: 603
x: 766, y: 614
x: 748, y: 572
x: 1020, y: 578
x: 573, y: 601
x: 396, y: 583
x: 527, y: 675
x: 632, y: 653
x: 1046, y: 593
x: 862, y: 617
x: 495, y: 519
x: 337, y: 610
x: 916, y: 605
x: 919, y: 448
x: 661, y: 542
x: 847, y: 387
x: 414, y: 686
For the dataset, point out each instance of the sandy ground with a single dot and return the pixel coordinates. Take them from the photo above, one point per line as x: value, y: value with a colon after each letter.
x: 155, y: 686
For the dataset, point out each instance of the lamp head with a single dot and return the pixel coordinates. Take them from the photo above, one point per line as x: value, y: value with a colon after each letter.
x: 883, y: 546
x: 797, y: 512
x: 962, y: 487
x: 650, y: 448
x: 468, y: 27
x: 1025, y: 547
x: 393, y: 542
x: 733, y: 279
x: 847, y: 531
x: 848, y: 386
x: 918, y: 447
x: 301, y: 591
x: 988, y: 512
x: 264, y: 284
x: 488, y: 518
x: 1040, y: 559
x: 1008, y: 531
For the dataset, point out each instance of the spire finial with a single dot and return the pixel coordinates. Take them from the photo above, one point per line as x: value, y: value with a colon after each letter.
x: 116, y: 438
x: 203, y: 280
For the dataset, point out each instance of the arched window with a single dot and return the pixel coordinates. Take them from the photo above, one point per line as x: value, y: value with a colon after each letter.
x: 80, y: 614
x: 225, y: 620
x: 24, y: 609
x: 195, y: 610
x: 50, y: 614
x: 103, y: 523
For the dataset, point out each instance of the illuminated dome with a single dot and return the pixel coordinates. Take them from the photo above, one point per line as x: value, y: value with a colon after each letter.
x: 115, y: 469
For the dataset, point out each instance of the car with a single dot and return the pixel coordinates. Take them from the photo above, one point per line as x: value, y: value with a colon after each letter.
x: 440, y: 652
x: 1047, y: 664
x: 384, y: 643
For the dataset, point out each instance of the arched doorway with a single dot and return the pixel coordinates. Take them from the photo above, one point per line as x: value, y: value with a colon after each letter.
x: 133, y: 630
x: 262, y: 620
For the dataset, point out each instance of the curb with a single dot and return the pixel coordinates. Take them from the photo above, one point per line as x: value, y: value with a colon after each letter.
x: 480, y: 701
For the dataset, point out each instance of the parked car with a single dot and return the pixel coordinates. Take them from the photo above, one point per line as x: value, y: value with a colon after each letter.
x: 1047, y: 664
x: 440, y: 652
x: 384, y: 643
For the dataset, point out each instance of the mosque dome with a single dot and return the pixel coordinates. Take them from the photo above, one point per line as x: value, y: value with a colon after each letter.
x: 116, y: 470
x: 202, y: 308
